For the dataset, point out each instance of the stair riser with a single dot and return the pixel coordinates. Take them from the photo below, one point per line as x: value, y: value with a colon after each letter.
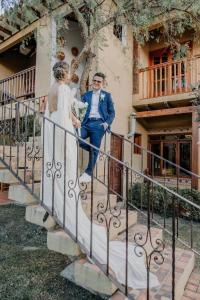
x: 35, y: 215
x: 86, y: 204
x: 114, y: 232
x: 7, y: 177
x: 90, y: 277
x: 21, y: 195
x: 60, y: 242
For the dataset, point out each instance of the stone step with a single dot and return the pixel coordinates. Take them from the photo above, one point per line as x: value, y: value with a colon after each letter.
x: 2, y: 166
x: 59, y: 241
x: 117, y: 224
x: 21, y: 162
x: 21, y: 195
x: 98, y: 198
x: 35, y: 215
x: 137, y: 234
x: 16, y: 191
x: 15, y: 151
x: 7, y: 177
x: 184, y: 265
x: 90, y: 277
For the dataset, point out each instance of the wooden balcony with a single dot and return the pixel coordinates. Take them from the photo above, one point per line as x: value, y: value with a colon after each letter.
x: 18, y: 86
x: 167, y: 79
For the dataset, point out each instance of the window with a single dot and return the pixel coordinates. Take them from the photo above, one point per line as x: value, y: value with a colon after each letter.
x: 137, y: 142
x: 169, y: 71
x: 120, y: 32
x: 174, y: 148
x: 117, y: 31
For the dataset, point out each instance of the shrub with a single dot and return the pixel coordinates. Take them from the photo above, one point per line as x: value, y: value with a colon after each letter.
x: 160, y: 201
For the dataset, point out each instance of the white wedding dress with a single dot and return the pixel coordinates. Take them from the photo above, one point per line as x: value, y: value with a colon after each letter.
x: 137, y: 273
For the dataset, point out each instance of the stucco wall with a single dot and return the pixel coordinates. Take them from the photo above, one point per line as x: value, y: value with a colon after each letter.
x: 116, y: 62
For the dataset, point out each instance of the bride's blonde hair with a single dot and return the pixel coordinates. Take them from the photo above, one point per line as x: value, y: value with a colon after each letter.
x: 59, y: 71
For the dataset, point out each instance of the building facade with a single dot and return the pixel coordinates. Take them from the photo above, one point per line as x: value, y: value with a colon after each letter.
x: 147, y: 80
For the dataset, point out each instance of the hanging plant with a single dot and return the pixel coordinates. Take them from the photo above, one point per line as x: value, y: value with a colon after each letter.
x: 60, y: 55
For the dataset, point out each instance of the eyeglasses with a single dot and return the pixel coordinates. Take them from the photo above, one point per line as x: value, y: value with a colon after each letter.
x: 97, y: 81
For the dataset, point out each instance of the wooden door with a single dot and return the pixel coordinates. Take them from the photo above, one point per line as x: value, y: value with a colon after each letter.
x: 116, y: 170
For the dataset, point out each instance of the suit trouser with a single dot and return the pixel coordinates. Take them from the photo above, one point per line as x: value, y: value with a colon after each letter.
x: 93, y: 130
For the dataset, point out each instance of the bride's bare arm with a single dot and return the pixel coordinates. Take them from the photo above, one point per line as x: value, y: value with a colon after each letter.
x: 75, y: 121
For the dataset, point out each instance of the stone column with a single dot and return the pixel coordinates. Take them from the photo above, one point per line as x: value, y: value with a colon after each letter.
x: 195, y: 149
x: 45, y: 56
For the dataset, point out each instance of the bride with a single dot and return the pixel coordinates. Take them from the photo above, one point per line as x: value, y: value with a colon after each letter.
x: 61, y: 189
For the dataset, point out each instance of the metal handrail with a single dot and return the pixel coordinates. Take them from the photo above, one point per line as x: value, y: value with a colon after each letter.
x: 129, y: 141
x: 126, y: 169
x: 158, y: 156
x: 108, y: 155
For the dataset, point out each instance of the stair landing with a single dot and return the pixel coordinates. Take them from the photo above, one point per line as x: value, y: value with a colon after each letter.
x: 192, y: 290
x: 184, y: 267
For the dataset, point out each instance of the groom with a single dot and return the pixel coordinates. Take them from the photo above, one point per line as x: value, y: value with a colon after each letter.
x: 98, y: 118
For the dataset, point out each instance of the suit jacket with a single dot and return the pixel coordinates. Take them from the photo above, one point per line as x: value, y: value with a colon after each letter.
x: 106, y: 107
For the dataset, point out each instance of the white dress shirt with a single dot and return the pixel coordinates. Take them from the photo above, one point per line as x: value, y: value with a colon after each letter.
x: 94, y: 112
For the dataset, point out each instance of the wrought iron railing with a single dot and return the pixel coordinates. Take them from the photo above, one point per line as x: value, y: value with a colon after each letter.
x: 178, y: 180
x: 24, y: 153
x: 20, y: 85
x: 169, y: 78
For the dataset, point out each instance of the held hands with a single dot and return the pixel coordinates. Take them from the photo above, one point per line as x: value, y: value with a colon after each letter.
x: 76, y: 123
x: 105, y: 126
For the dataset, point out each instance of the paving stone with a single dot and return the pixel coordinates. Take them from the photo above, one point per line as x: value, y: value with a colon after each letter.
x: 118, y: 296
x: 192, y: 287
x: 190, y: 294
x: 164, y: 275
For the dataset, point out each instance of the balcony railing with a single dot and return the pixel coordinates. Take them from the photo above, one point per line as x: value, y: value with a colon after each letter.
x: 19, y: 85
x: 169, y: 78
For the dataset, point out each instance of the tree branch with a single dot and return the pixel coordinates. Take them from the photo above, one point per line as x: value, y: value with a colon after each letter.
x: 75, y: 8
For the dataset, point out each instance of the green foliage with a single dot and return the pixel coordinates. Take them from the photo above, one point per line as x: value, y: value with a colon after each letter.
x: 170, y: 17
x: 161, y: 201
x: 196, y: 101
x: 176, y: 15
x: 26, y: 128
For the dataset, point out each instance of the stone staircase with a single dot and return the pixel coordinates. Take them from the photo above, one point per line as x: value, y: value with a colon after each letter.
x: 81, y: 271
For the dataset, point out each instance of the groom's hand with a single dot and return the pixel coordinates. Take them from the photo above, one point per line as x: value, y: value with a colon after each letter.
x: 105, y: 126
x: 77, y: 123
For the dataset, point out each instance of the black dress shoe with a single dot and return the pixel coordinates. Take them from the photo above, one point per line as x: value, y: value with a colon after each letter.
x: 45, y: 217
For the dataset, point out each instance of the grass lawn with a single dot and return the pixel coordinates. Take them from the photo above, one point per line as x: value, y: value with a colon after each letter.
x: 28, y: 270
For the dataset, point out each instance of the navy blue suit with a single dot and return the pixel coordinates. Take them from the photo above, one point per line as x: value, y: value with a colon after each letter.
x: 94, y: 129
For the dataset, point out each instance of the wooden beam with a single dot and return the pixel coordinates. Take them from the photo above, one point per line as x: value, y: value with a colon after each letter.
x: 164, y: 112
x: 20, y: 35
x: 1, y: 38
x: 6, y: 31
x: 36, y: 12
